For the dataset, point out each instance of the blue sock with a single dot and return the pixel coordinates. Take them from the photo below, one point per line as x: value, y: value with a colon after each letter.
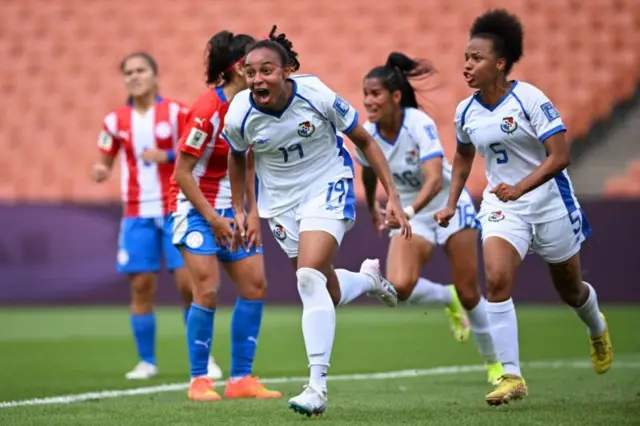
x: 185, y: 314
x: 245, y: 327
x: 199, y: 338
x: 144, y: 333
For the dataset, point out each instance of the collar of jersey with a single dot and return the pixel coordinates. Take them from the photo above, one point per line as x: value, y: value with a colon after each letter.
x: 220, y: 94
x: 393, y: 142
x: 478, y: 99
x: 130, y: 101
x: 277, y: 114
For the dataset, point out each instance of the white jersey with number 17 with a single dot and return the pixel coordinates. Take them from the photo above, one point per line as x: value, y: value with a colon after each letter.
x: 297, y: 150
x: 510, y: 136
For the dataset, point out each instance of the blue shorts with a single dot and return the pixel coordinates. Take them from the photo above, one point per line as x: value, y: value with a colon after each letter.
x: 193, y: 232
x: 142, y: 243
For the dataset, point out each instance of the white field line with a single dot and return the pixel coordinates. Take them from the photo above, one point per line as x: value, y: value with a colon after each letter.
x: 174, y: 387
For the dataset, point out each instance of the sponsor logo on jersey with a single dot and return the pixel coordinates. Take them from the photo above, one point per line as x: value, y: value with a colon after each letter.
x: 279, y: 232
x: 306, y: 129
x: 496, y: 216
x: 508, y: 125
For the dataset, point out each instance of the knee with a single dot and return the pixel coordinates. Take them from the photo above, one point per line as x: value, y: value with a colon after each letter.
x: 312, y: 284
x: 204, y: 290
x: 142, y: 286
x: 403, y: 284
x: 499, y: 281
x: 254, y: 289
x: 468, y: 293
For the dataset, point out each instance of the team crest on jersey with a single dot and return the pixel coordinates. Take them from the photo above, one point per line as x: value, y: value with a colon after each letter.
x: 163, y: 130
x: 279, y: 232
x: 306, y: 129
x: 411, y: 157
x: 496, y: 216
x: 509, y: 125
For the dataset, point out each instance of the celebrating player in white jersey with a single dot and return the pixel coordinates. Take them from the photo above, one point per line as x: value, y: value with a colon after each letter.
x: 306, y: 191
x: 145, y: 133
x: 529, y: 201
x: 409, y: 139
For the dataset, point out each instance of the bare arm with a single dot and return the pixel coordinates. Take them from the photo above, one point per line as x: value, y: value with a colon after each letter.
x: 462, y: 164
x: 370, y: 182
x: 252, y: 206
x: 184, y: 178
x: 558, y: 159
x: 238, y: 179
x: 432, y: 169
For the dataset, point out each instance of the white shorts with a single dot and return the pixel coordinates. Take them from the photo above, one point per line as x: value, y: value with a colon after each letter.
x: 332, y: 211
x: 427, y: 228
x: 555, y: 241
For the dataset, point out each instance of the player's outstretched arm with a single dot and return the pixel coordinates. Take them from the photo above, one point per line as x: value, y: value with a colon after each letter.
x: 462, y: 164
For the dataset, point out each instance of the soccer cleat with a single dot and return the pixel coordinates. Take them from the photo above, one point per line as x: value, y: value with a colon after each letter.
x: 602, y: 350
x: 458, y: 320
x: 214, y: 372
x: 311, y: 402
x: 510, y: 388
x: 202, y: 389
x: 249, y: 387
x: 382, y: 289
x: 142, y: 371
x: 494, y: 372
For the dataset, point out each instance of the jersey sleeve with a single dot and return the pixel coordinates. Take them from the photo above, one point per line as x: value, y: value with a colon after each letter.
x: 200, y: 125
x: 461, y: 136
x: 359, y: 156
x: 108, y: 141
x: 544, y: 117
x: 426, y: 134
x: 234, y: 128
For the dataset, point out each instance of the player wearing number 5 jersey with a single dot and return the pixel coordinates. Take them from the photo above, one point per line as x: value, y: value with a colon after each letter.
x: 529, y: 202
x: 305, y: 190
x: 409, y: 139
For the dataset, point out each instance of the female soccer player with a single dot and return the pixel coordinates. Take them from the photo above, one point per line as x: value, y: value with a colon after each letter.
x: 146, y: 131
x: 409, y: 139
x: 202, y: 197
x: 529, y: 201
x: 305, y: 191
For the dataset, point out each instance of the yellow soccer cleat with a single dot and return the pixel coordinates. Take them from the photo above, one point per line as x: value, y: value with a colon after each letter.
x: 494, y: 373
x: 510, y: 388
x: 458, y: 321
x: 602, y: 350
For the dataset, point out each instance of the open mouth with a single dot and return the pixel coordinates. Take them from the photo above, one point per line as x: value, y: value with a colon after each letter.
x: 468, y: 77
x: 261, y: 95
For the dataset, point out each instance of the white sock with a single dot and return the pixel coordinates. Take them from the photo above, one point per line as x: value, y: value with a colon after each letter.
x: 429, y: 293
x: 352, y: 285
x: 318, y: 322
x: 504, y: 329
x: 481, y: 330
x: 589, y: 313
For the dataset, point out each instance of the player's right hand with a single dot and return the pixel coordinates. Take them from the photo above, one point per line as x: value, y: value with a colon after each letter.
x: 222, y: 230
x: 240, y: 232
x: 100, y: 172
x: 395, y: 217
x: 443, y: 216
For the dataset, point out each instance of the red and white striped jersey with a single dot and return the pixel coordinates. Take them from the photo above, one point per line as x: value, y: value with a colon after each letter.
x: 201, y: 138
x: 145, y: 185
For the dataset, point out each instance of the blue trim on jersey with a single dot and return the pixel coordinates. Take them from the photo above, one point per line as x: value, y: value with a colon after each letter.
x: 244, y: 121
x: 277, y: 114
x: 431, y: 156
x: 130, y: 100
x: 464, y: 113
x: 353, y: 124
x: 256, y: 186
x: 220, y: 94
x: 524, y: 111
x: 342, y: 152
x: 233, y: 150
x: 402, y: 126
x: 552, y: 132
x: 504, y: 97
x: 566, y: 193
x: 349, y: 210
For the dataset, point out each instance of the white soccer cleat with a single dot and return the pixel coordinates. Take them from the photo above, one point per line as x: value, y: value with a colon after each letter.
x: 142, y: 371
x: 382, y: 289
x: 214, y: 372
x: 311, y: 402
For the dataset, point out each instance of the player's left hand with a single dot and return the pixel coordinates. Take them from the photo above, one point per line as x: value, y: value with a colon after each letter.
x: 506, y: 192
x: 395, y: 217
x: 154, y: 155
x: 253, y: 236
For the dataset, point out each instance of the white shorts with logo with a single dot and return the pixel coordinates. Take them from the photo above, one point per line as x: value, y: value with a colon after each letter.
x: 555, y: 241
x: 427, y: 228
x: 332, y: 210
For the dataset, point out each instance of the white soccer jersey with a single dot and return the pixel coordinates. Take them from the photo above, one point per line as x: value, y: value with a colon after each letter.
x: 416, y: 143
x: 296, y: 151
x: 510, y: 136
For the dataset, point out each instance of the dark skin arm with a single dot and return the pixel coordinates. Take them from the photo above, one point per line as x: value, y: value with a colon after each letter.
x: 462, y: 164
x: 370, y: 183
x: 432, y: 170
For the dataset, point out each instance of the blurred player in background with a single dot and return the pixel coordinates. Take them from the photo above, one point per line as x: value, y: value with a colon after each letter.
x: 201, y: 200
x: 529, y: 201
x: 306, y: 191
x: 146, y: 131
x: 409, y: 139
